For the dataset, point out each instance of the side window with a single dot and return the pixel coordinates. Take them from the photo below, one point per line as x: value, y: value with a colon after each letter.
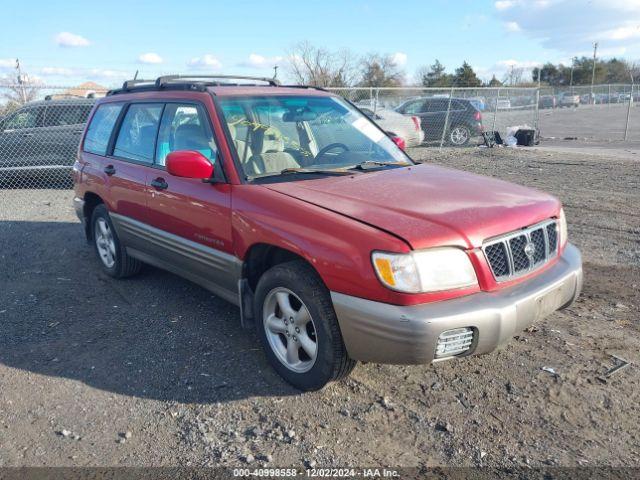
x: 184, y: 127
x: 26, y: 118
x: 61, y: 115
x: 437, y: 105
x: 137, y: 136
x: 414, y: 107
x: 99, y: 131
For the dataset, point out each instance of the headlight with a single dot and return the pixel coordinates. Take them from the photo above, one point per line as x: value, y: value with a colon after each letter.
x: 563, y: 228
x: 425, y: 271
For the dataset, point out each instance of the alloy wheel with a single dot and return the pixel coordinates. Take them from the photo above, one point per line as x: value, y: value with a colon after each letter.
x: 459, y: 135
x: 290, y: 330
x: 105, y: 242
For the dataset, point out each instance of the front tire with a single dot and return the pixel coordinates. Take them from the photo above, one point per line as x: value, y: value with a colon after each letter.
x: 113, y: 257
x: 298, y: 327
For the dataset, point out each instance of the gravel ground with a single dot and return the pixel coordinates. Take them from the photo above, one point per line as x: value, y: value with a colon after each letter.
x: 156, y: 371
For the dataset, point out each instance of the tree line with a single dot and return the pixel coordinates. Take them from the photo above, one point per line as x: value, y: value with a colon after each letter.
x: 581, y: 70
x: 312, y: 65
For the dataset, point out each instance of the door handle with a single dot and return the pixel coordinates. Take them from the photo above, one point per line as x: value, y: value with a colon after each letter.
x: 27, y: 134
x: 159, y: 184
x: 109, y: 170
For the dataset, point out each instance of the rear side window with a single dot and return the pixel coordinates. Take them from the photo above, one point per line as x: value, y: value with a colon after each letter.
x: 61, y: 115
x: 25, y: 118
x: 99, y: 131
x: 137, y: 137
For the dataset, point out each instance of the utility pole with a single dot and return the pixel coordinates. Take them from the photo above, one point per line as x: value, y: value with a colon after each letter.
x: 21, y: 82
x: 593, y: 71
x: 573, y: 64
x: 626, y: 126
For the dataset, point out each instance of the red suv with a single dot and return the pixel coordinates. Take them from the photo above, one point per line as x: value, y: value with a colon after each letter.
x: 292, y: 204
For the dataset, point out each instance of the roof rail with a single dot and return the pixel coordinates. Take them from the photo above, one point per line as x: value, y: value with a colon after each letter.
x: 165, y: 79
x: 132, y: 83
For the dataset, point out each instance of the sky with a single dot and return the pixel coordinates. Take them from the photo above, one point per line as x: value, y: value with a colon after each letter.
x: 64, y: 42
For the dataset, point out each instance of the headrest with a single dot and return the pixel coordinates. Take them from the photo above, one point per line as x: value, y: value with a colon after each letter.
x: 272, y: 141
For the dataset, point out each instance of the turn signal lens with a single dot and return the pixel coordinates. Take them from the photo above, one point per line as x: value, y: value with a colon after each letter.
x: 383, y: 267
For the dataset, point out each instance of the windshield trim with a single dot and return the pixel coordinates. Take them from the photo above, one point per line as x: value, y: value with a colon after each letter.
x: 247, y: 179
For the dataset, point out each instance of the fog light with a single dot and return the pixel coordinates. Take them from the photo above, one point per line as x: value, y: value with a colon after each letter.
x: 454, y: 342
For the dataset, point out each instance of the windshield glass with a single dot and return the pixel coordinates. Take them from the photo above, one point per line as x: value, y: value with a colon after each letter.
x: 272, y: 134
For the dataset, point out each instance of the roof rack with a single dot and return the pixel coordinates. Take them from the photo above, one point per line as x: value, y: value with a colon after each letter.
x: 212, y: 79
x: 188, y: 82
x: 197, y: 82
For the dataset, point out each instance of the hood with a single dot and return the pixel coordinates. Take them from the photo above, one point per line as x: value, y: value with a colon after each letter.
x: 428, y: 205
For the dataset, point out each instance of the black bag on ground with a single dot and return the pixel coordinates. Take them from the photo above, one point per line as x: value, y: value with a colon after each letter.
x: 525, y: 137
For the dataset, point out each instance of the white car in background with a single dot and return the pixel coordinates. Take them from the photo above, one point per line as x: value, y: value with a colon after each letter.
x: 406, y: 127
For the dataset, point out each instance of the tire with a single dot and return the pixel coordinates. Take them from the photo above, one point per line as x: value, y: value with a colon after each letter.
x: 459, y: 135
x: 113, y: 258
x: 297, y: 286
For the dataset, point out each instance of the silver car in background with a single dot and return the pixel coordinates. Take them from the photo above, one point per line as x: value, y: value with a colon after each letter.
x: 406, y: 127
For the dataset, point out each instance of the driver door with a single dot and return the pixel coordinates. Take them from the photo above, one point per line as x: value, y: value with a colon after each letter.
x: 192, y: 218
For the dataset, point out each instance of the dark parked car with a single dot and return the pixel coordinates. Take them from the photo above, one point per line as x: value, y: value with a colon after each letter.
x: 41, y: 137
x: 464, y: 119
x: 547, y: 101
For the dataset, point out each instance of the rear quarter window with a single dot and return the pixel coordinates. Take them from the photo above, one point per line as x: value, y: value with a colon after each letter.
x: 99, y: 132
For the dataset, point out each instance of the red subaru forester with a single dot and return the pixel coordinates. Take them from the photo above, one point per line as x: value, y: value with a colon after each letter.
x: 292, y: 204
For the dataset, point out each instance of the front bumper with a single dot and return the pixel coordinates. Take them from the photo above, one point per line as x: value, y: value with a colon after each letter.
x: 383, y: 333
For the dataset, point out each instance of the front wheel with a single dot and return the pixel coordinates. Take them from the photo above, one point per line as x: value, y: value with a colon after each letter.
x: 298, y: 327
x: 459, y: 135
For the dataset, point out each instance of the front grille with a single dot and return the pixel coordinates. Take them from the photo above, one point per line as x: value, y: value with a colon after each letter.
x: 520, y: 252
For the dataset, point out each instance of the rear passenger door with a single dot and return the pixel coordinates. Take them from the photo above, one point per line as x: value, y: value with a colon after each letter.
x: 192, y: 219
x: 128, y: 167
x: 63, y: 124
x: 18, y: 145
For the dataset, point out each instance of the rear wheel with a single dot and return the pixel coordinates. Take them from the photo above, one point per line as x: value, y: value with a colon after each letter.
x: 113, y: 257
x: 459, y: 135
x: 298, y: 327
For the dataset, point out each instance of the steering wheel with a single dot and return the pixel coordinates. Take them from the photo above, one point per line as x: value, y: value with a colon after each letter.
x: 331, y: 146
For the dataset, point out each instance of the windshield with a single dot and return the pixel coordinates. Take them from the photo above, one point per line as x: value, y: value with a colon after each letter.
x: 273, y: 134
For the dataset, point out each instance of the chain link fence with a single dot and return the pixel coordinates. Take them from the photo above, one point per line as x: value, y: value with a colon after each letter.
x: 447, y: 116
x: 40, y: 130
x: 41, y: 126
x: 605, y: 113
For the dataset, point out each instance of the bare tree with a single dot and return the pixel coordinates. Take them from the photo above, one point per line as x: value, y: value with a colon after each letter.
x: 311, y: 65
x: 380, y: 71
x: 18, y: 90
x: 514, y: 76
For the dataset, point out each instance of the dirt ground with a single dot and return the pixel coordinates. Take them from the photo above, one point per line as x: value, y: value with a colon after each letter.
x: 157, y: 371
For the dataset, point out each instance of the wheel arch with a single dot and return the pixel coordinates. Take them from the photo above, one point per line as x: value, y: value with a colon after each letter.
x: 259, y: 258
x: 91, y: 201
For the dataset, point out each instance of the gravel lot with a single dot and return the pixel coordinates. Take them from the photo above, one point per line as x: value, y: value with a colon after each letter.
x: 156, y: 371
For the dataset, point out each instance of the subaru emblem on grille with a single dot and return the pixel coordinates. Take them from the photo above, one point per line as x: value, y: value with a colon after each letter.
x: 530, y: 249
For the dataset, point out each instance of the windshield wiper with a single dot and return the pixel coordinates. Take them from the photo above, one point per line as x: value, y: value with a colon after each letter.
x: 369, y: 164
x: 301, y: 170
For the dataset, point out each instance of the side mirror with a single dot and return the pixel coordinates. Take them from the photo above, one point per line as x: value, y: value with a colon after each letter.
x: 189, y: 164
